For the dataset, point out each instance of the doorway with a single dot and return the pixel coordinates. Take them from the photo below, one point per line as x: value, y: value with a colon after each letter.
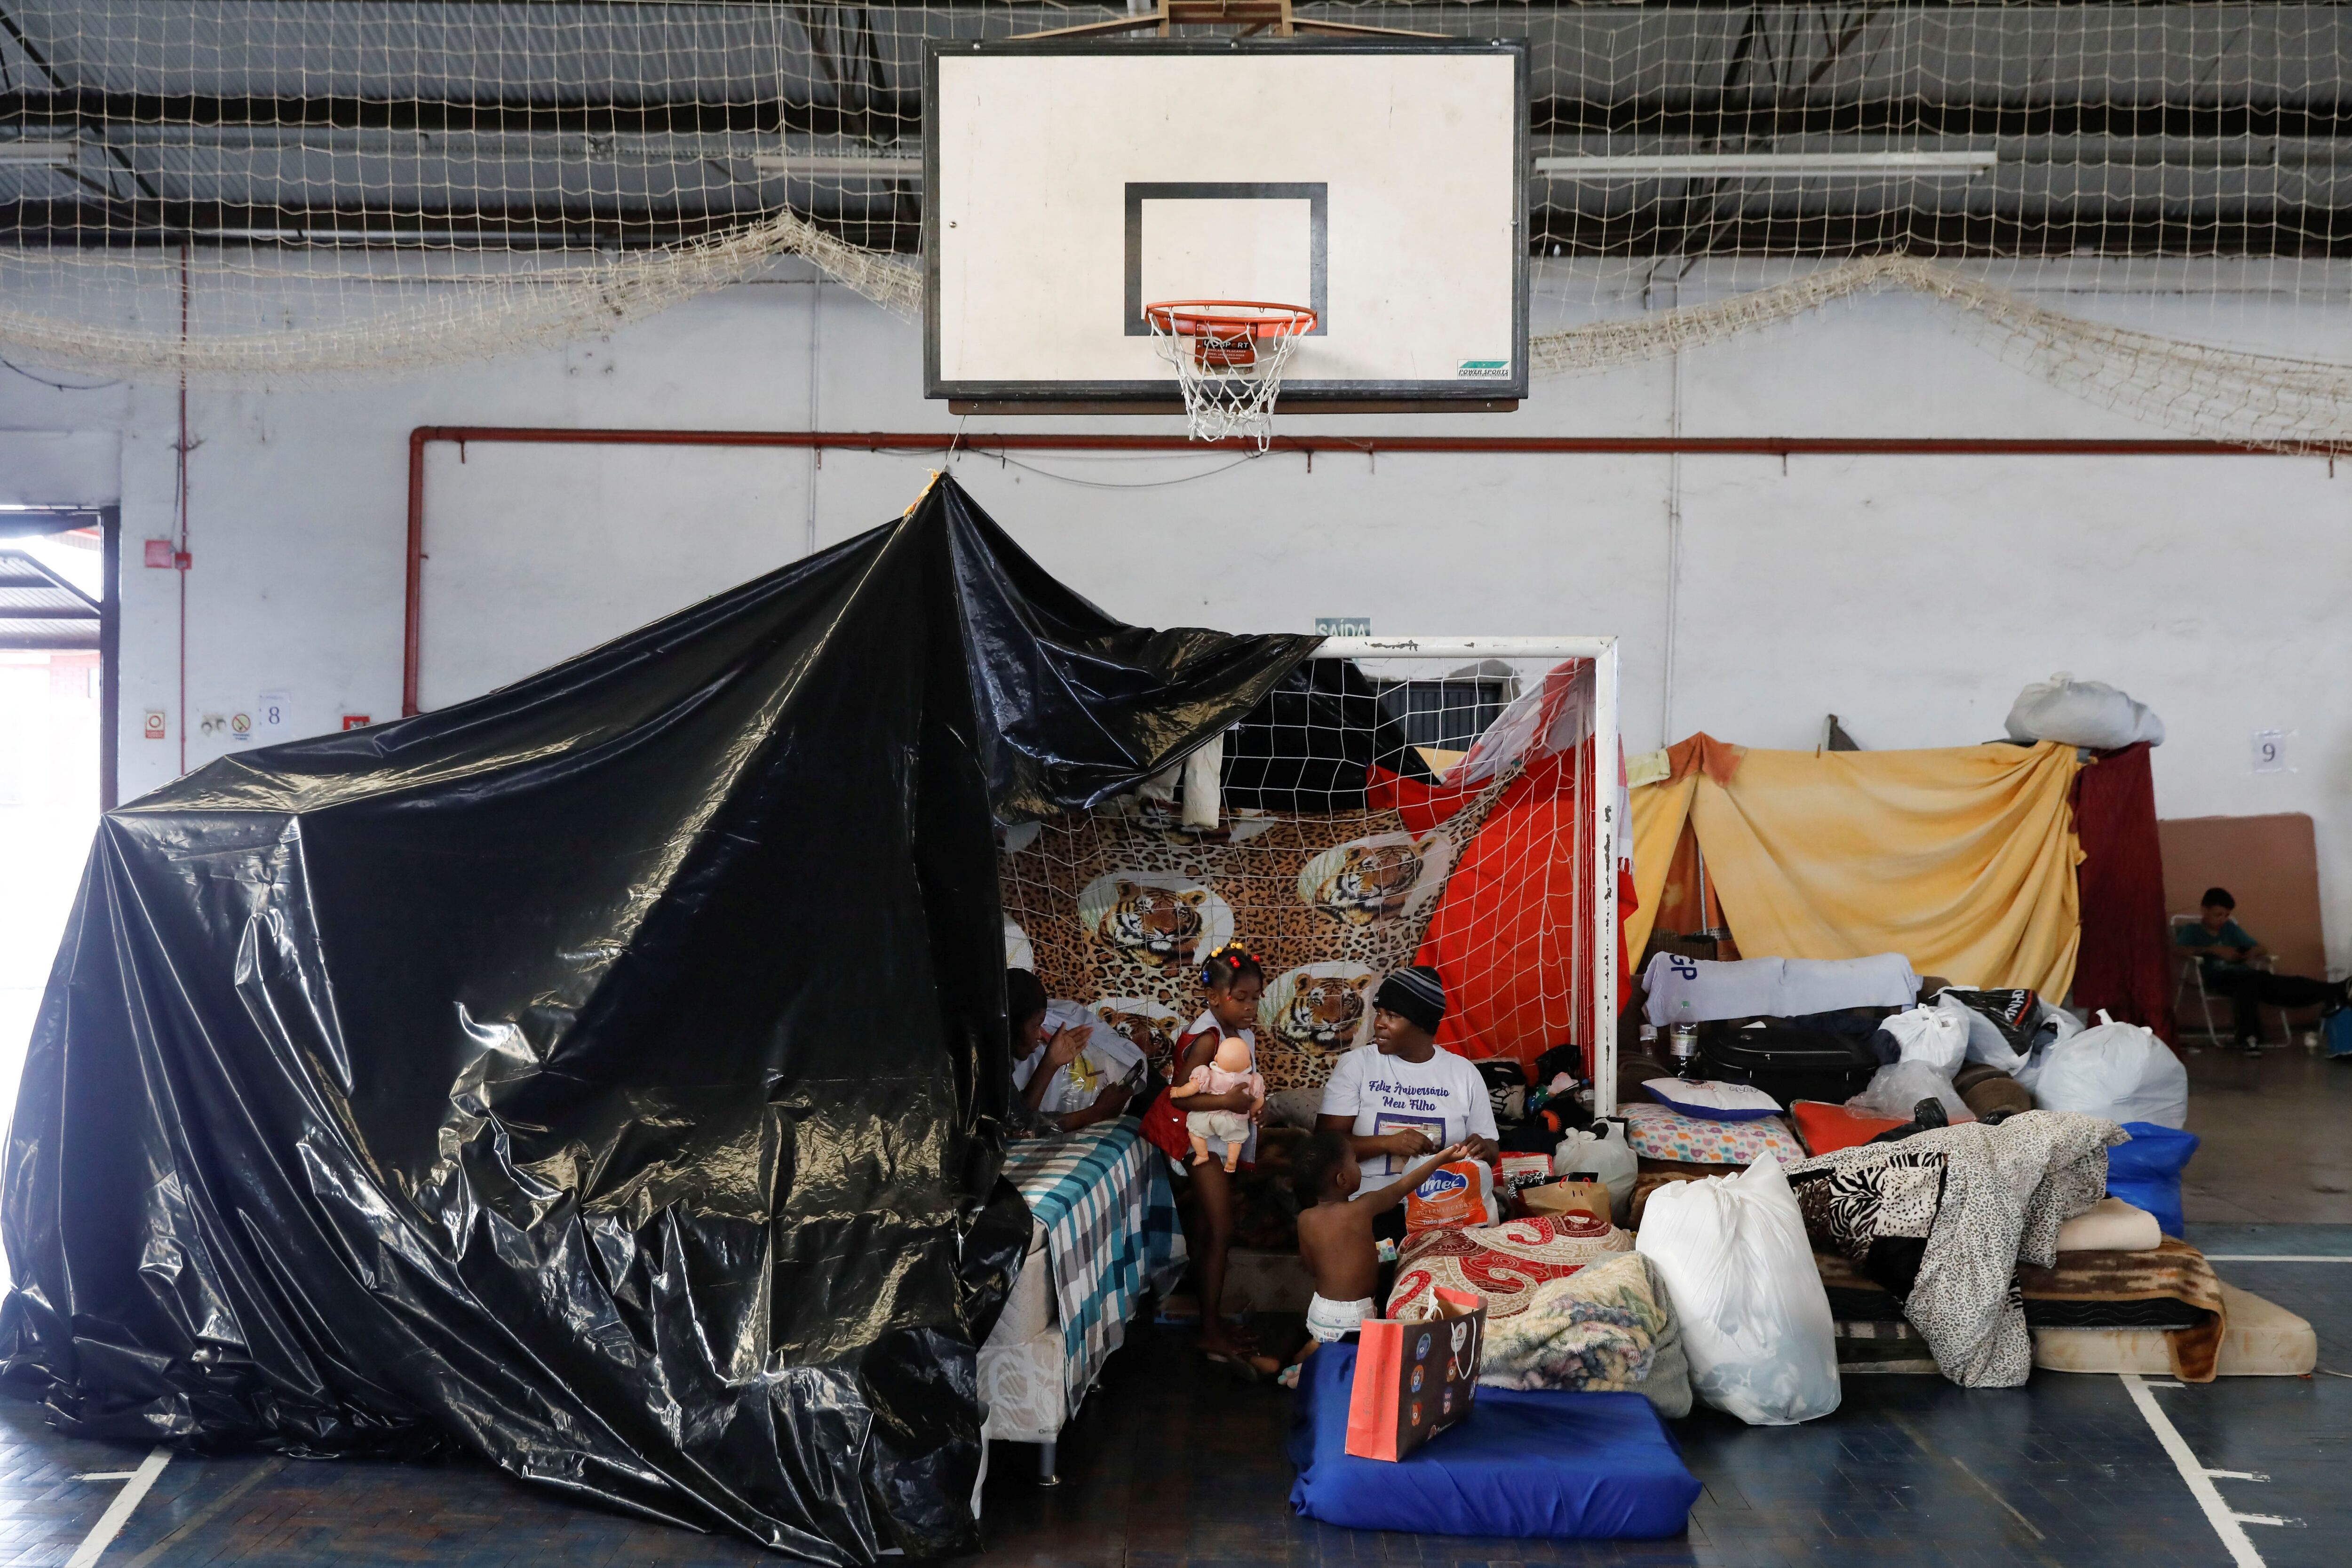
x: 58, y: 571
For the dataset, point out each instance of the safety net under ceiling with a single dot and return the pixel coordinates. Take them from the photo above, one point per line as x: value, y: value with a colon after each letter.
x: 2144, y: 203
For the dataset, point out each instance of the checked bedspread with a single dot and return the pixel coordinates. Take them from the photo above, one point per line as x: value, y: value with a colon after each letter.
x: 1102, y: 1196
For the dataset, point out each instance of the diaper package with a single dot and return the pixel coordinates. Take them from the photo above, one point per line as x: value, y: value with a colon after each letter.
x: 1454, y: 1196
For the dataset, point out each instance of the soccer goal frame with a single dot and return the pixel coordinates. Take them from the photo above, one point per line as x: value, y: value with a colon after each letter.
x: 1606, y: 830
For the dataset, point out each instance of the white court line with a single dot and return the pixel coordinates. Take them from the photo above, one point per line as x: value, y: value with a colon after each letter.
x: 2275, y: 1257
x: 2225, y: 1523
x: 118, y: 1512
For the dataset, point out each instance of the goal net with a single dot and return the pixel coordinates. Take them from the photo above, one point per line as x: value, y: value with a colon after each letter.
x: 2144, y: 203
x: 1378, y: 810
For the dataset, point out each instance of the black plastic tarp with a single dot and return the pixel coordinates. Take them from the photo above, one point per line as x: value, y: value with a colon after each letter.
x: 602, y: 1074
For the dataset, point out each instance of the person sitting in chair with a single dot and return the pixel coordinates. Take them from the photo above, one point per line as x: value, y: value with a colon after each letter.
x: 2226, y: 954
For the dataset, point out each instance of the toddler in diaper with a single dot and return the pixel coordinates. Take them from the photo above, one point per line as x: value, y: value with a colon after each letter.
x: 1335, y: 1230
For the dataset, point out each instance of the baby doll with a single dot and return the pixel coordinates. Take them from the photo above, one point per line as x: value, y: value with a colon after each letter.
x: 1228, y: 1070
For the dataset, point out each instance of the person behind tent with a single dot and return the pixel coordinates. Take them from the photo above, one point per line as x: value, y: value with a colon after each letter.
x: 1404, y: 1097
x: 2226, y: 953
x: 1231, y: 981
x: 1063, y: 1070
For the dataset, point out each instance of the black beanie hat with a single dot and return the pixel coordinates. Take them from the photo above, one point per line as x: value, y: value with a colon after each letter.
x: 1416, y: 994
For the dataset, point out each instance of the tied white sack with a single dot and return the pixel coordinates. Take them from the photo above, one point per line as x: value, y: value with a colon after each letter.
x: 1697, y: 990
x: 1608, y: 1156
x: 2081, y: 713
x: 2119, y: 1072
x: 1937, y: 1036
x: 1756, y: 1318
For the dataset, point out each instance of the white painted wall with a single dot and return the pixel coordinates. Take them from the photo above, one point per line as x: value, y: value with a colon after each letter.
x: 1912, y: 596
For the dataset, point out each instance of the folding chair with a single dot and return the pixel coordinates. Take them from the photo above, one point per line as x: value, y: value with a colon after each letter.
x: 2192, y: 981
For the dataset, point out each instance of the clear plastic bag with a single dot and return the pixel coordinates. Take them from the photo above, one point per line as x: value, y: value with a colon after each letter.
x: 1895, y: 1088
x: 2120, y: 1072
x: 1756, y: 1318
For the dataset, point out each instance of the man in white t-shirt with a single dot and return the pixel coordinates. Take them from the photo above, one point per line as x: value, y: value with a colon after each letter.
x: 1404, y: 1096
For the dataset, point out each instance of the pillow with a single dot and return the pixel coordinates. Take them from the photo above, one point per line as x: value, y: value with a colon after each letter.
x: 2111, y: 1225
x: 1662, y: 1133
x: 1827, y: 1128
x: 1713, y: 1101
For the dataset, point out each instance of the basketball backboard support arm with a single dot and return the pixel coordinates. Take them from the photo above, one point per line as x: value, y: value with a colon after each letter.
x: 1608, y: 832
x: 1272, y: 18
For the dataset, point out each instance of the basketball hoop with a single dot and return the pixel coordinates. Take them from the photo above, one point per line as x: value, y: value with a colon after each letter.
x: 1229, y: 356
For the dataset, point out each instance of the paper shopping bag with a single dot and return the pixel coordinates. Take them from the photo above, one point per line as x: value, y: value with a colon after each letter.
x: 1414, y: 1380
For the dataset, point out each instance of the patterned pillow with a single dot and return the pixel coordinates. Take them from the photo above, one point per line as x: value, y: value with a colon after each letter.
x: 1661, y: 1132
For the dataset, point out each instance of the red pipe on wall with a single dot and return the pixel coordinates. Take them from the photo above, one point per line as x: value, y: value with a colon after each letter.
x: 1496, y: 446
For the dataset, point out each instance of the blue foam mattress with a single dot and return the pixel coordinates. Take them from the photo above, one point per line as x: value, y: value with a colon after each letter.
x: 1583, y: 1467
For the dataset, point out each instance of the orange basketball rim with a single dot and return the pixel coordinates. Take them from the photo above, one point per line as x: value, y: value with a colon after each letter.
x: 1224, y: 334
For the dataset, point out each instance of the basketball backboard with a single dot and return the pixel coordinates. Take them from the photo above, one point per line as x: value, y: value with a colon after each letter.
x: 1070, y: 183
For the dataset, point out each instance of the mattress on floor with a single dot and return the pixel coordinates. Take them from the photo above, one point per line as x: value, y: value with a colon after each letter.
x: 2170, y: 1289
x: 1559, y: 1465
x: 2259, y: 1339
x: 1856, y: 1296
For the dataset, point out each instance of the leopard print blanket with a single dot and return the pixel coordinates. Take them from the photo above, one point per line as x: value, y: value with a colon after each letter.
x: 2006, y: 1190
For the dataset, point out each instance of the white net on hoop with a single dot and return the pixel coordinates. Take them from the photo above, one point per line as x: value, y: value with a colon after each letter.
x: 1230, y: 383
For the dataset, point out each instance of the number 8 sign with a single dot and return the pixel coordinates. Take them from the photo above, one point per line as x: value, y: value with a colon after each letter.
x: 273, y: 714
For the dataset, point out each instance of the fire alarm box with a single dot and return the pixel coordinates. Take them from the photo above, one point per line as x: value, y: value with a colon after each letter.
x: 159, y: 553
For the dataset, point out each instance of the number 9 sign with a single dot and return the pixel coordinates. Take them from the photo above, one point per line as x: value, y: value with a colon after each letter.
x: 2270, y: 751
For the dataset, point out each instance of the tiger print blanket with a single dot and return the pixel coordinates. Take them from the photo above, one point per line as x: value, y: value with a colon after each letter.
x: 1116, y: 908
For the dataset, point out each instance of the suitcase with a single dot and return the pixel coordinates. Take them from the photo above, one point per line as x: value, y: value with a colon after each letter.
x: 1789, y: 1064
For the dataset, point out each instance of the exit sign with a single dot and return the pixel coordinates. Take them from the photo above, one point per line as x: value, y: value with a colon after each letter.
x: 1343, y: 625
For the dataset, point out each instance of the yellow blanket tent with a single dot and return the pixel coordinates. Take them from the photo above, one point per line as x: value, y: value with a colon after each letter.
x: 1962, y: 859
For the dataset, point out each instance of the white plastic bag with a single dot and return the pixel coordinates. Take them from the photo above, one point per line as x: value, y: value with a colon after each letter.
x: 1605, y: 1154
x: 1895, y: 1088
x: 2120, y: 1072
x: 1985, y: 1042
x: 2081, y: 713
x: 1936, y: 1035
x: 1755, y: 1319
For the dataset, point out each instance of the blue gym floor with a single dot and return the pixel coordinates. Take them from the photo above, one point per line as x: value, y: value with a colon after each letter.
x: 1167, y: 1466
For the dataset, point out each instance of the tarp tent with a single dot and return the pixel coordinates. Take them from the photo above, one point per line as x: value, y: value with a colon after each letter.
x: 602, y: 1073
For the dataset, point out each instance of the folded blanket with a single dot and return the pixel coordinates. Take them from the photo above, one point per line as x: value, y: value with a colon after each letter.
x: 1504, y: 1263
x: 1608, y: 1327
x: 2171, y: 1284
x: 2006, y: 1191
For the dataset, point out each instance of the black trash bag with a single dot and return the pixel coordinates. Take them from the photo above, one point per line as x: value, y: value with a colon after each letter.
x: 602, y: 1074
x: 2022, y: 1018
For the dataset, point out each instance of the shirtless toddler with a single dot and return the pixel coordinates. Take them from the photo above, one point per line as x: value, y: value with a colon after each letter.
x: 1335, y: 1230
